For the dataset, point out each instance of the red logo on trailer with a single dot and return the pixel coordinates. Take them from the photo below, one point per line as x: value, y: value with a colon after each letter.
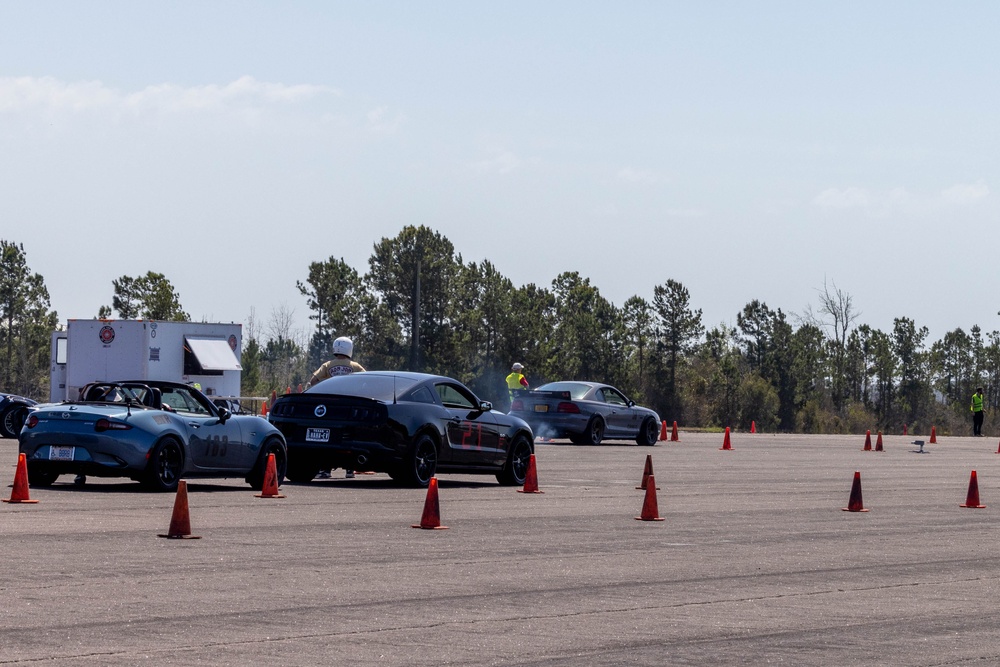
x: 107, y: 334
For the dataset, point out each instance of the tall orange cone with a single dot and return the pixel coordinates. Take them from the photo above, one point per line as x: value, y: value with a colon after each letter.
x: 753, y: 427
x: 673, y: 434
x: 270, y: 488
x: 300, y: 387
x: 649, y: 510
x: 19, y: 494
x: 868, y: 441
x: 274, y: 396
x: 263, y: 409
x: 972, y: 499
x: 288, y: 389
x: 531, y: 478
x: 663, y: 430
x: 933, y: 435
x: 647, y: 472
x: 180, y: 521
x: 725, y: 441
x: 431, y: 518
x: 904, y: 429
x: 878, y: 443
x: 855, y: 504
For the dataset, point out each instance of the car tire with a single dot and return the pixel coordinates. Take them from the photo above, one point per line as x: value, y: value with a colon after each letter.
x: 649, y: 433
x: 165, y: 466
x: 301, y: 472
x: 595, y: 431
x: 516, y: 468
x: 271, y: 446
x: 40, y: 477
x: 420, y: 463
x: 12, y: 420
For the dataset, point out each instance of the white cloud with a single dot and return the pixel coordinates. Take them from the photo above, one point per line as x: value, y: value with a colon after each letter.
x: 965, y: 193
x: 843, y: 198
x: 502, y: 162
x: 380, y: 121
x: 630, y: 175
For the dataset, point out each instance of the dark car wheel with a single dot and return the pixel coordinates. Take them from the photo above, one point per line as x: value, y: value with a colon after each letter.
x: 256, y: 477
x: 301, y: 472
x: 595, y: 431
x: 40, y: 477
x: 420, y: 464
x: 12, y: 420
x: 165, y: 467
x: 648, y: 433
x: 516, y: 469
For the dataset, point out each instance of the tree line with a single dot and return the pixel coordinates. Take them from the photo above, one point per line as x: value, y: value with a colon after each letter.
x: 421, y: 306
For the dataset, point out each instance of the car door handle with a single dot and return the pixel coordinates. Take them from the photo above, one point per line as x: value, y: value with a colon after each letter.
x: 194, y: 424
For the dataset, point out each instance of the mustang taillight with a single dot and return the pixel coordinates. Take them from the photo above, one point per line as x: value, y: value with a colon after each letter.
x: 517, y: 404
x: 32, y: 421
x: 108, y: 425
x: 571, y: 408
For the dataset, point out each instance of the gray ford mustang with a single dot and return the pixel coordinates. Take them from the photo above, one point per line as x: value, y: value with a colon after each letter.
x: 13, y: 411
x: 586, y: 413
x: 154, y: 432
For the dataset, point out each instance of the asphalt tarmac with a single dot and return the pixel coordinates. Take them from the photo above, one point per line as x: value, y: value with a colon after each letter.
x: 755, y: 563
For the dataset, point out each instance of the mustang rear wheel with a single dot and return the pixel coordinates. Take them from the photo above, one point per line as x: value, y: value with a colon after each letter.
x: 648, y: 433
x: 595, y: 431
x: 165, y: 467
x: 301, y: 472
x: 421, y: 463
x: 516, y: 469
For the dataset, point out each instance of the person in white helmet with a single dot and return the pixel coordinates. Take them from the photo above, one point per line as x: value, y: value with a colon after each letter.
x: 341, y: 364
x: 516, y: 380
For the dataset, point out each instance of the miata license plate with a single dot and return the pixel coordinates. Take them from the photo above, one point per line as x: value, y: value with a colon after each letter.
x: 61, y: 453
x: 318, y: 435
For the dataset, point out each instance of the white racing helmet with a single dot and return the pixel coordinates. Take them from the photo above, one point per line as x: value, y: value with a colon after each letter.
x: 344, y: 346
x: 517, y: 366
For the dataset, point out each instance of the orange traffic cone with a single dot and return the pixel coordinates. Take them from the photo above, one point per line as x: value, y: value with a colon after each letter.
x: 263, y: 409
x: 725, y: 441
x: 647, y: 472
x: 431, y: 518
x: 878, y: 443
x: 300, y: 387
x: 673, y: 434
x: 270, y: 488
x: 20, y: 492
x: 663, y: 430
x: 649, y: 509
x: 180, y: 521
x: 274, y: 397
x: 531, y: 478
x: 904, y: 429
x: 753, y: 427
x: 868, y: 441
x: 933, y: 435
x: 998, y: 449
x: 288, y: 389
x: 855, y: 504
x: 972, y: 499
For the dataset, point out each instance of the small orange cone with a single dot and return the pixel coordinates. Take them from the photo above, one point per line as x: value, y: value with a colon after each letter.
x: 274, y: 397
x: 868, y: 441
x: 726, y: 445
x: 998, y: 449
x: 855, y: 504
x: 663, y: 430
x: 933, y: 435
x: 531, y: 478
x: 270, y: 489
x: 288, y: 389
x: 673, y: 434
x: 753, y: 427
x: 647, y: 472
x: 878, y: 443
x: 904, y: 429
x: 300, y: 387
x: 431, y: 518
x: 263, y: 409
x: 180, y: 521
x: 20, y: 492
x: 649, y: 510
x: 972, y: 499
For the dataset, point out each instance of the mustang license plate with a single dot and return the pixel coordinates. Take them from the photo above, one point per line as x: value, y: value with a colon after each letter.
x: 541, y: 408
x: 61, y: 453
x: 318, y: 435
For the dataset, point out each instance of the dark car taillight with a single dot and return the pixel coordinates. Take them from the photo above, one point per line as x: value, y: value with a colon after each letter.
x: 108, y: 425
x: 517, y: 404
x: 570, y: 408
x: 32, y: 421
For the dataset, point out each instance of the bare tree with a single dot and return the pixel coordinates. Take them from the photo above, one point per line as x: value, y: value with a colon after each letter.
x: 838, y: 316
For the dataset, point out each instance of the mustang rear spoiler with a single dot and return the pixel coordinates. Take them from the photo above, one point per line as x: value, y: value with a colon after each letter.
x: 534, y: 393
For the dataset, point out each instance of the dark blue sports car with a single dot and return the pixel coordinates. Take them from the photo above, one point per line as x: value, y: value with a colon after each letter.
x: 154, y: 432
x: 409, y: 425
x: 13, y: 412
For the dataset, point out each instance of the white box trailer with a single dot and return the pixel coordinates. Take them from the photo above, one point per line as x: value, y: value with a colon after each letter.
x: 106, y: 350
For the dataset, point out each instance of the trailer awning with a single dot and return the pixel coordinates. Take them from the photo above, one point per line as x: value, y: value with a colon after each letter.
x: 214, y: 354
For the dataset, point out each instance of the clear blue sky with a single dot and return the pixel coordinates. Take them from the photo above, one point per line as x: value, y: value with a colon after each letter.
x: 750, y: 150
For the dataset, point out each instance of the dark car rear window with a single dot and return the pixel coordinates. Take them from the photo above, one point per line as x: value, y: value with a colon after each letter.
x: 576, y: 390
x: 367, y: 385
